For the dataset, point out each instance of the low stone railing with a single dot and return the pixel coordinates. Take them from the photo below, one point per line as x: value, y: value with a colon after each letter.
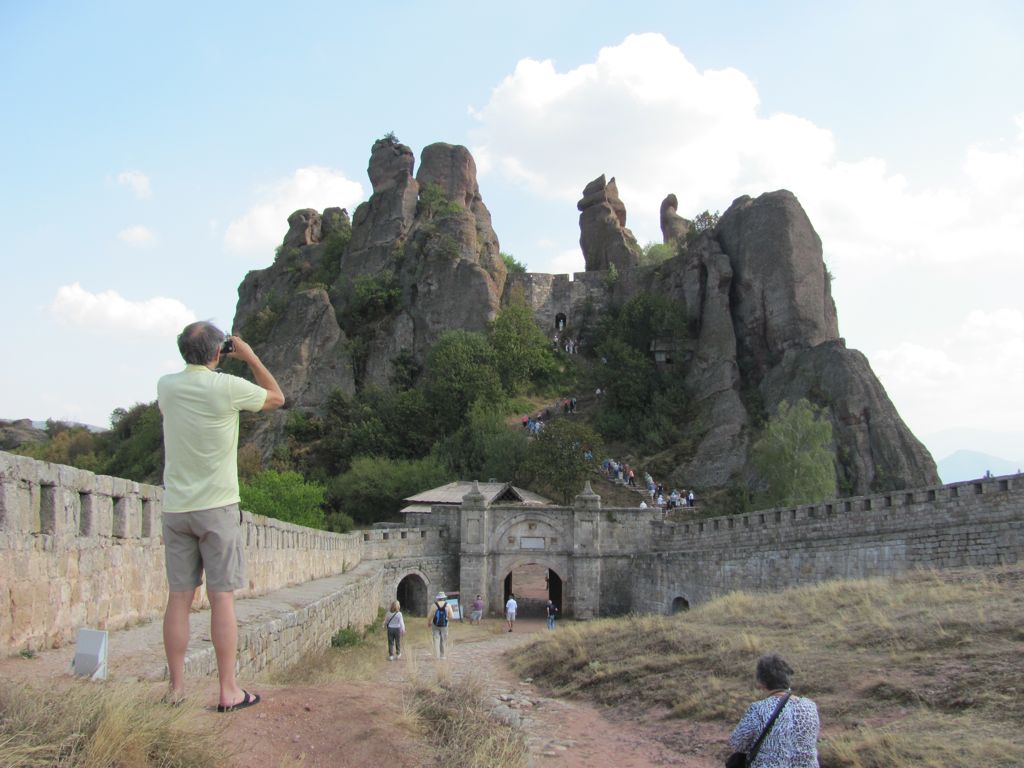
x: 79, y: 549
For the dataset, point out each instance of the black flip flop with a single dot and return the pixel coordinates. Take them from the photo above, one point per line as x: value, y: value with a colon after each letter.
x: 248, y: 700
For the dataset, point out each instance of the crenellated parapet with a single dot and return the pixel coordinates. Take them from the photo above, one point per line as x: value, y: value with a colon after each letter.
x: 79, y: 549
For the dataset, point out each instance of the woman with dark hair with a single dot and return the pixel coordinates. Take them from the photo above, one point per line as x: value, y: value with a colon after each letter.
x: 792, y: 741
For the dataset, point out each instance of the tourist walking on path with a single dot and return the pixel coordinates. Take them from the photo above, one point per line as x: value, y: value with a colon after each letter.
x: 478, y: 610
x: 551, y: 611
x: 394, y: 623
x: 792, y: 741
x: 202, y: 524
x: 511, y: 606
x: 438, y: 621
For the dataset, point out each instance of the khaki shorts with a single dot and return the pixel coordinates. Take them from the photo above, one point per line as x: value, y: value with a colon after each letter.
x: 207, y: 540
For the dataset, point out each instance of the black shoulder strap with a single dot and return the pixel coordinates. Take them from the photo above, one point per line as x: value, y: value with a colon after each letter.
x: 752, y: 754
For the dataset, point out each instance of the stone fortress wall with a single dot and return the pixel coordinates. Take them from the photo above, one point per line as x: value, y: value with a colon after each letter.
x: 79, y: 549
x: 84, y: 550
x: 969, y: 524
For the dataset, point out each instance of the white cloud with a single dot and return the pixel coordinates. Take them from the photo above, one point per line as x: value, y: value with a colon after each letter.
x: 138, y: 236
x: 643, y: 113
x: 972, y: 378
x: 136, y: 181
x: 263, y: 226
x: 109, y: 313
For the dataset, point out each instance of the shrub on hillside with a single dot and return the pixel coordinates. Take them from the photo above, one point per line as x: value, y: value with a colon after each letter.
x: 285, y: 496
x: 373, y: 488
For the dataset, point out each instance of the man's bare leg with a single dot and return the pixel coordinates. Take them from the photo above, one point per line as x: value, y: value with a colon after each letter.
x: 224, y: 633
x: 179, y: 604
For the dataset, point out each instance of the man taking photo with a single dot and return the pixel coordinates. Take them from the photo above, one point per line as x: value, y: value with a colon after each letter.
x: 202, y: 524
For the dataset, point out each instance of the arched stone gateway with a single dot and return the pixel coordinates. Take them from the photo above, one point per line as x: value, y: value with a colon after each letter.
x: 561, y: 544
x: 533, y: 583
x: 411, y: 592
x: 679, y: 605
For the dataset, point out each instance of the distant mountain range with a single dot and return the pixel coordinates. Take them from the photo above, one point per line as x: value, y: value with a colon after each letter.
x: 969, y: 453
x: 970, y: 465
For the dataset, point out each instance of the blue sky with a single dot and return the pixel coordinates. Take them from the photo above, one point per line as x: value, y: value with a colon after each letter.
x: 150, y: 156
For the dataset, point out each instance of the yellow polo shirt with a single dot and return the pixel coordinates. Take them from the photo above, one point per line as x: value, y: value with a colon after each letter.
x: 200, y: 410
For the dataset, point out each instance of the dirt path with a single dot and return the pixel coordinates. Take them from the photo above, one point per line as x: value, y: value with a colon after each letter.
x: 367, y: 724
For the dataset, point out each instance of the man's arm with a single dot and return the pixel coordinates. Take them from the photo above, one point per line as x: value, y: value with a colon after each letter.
x: 263, y: 377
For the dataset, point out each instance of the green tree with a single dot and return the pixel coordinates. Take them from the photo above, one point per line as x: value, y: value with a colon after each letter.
x: 461, y: 369
x: 793, y: 456
x: 512, y: 264
x: 285, y: 496
x: 653, y: 254
x: 135, y: 443
x: 523, y: 354
x: 373, y: 488
x: 705, y: 220
x: 484, y: 447
x: 555, y: 460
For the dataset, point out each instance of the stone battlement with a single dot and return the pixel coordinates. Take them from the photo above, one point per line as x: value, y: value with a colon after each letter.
x: 79, y: 549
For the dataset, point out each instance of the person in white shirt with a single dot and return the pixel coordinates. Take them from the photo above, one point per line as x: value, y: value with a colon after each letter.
x: 510, y: 611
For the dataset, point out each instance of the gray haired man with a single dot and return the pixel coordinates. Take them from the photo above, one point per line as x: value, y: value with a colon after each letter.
x: 202, y: 524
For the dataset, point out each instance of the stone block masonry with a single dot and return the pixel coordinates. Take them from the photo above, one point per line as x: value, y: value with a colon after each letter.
x: 79, y: 549
x: 84, y: 550
x: 972, y: 524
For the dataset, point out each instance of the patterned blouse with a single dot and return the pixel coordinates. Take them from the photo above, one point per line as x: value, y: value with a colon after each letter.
x: 793, y: 741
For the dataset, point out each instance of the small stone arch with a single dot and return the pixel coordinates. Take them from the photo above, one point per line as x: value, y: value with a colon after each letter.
x: 560, y: 321
x: 679, y: 605
x: 412, y: 592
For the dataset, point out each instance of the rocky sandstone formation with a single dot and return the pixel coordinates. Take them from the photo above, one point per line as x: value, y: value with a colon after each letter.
x: 674, y: 227
x: 345, y: 300
x: 763, y: 329
x: 604, y: 239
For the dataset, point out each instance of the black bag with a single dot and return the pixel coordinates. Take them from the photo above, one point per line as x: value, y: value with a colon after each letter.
x: 743, y: 759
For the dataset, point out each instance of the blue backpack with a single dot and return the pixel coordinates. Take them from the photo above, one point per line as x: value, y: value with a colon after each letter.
x: 441, y: 614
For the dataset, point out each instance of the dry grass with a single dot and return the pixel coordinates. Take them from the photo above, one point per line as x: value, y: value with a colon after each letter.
x: 96, y: 726
x: 923, y: 670
x: 461, y: 730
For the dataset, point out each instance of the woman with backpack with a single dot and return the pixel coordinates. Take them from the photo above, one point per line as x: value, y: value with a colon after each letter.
x: 438, y: 620
x: 395, y: 626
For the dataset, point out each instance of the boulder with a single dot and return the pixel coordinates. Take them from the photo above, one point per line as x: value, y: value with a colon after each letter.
x: 303, y: 229
x: 875, y: 450
x: 334, y: 220
x: 674, y: 227
x: 782, y: 294
x: 604, y: 239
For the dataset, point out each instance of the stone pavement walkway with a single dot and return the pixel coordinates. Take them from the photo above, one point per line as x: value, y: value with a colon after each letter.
x: 137, y: 653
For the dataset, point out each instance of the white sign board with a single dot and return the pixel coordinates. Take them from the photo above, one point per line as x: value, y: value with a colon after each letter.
x: 91, y: 654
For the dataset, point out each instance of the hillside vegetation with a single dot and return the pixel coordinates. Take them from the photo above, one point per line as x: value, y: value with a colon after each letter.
x: 921, y: 671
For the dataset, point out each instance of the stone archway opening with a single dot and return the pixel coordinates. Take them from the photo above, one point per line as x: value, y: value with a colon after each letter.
x: 533, y: 584
x: 679, y: 605
x: 560, y: 320
x: 412, y: 594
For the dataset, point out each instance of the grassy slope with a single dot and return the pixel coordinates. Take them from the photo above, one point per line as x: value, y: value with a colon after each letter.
x: 924, y: 670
